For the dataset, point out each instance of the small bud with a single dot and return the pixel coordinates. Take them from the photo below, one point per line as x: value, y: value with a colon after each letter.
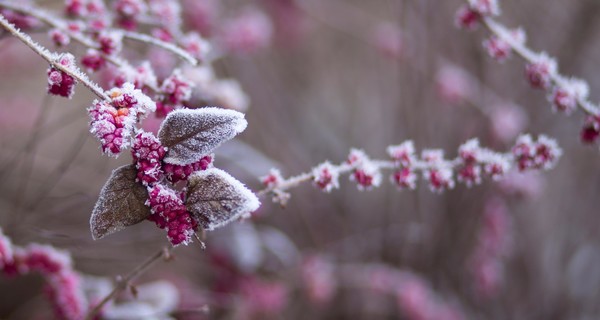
x: 273, y: 179
x: 325, y: 177
x: 540, y: 72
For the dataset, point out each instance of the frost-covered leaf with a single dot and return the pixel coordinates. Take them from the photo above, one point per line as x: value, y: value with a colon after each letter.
x: 120, y: 204
x: 192, y: 134
x: 215, y: 198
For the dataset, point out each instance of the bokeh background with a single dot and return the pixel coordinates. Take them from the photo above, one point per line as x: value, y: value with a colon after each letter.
x: 329, y: 76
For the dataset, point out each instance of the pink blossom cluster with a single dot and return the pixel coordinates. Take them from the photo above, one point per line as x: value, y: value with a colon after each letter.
x: 492, y: 246
x: 113, y: 123
x: 59, y: 82
x: 63, y: 287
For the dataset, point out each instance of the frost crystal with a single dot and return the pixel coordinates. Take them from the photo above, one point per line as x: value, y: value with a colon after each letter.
x: 215, y: 198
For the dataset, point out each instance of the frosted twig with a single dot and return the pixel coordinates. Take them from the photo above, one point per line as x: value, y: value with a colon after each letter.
x: 530, y: 56
x: 162, y: 44
x: 514, y: 41
x: 470, y: 165
x: 50, y: 58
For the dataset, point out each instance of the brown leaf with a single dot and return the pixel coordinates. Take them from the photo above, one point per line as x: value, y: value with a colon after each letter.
x: 215, y: 198
x: 192, y: 134
x: 120, y: 204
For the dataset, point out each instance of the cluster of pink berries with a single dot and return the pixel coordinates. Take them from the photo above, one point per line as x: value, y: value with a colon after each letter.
x: 59, y: 82
x: 113, y: 123
x: 472, y: 163
x: 169, y: 213
x: 63, y: 287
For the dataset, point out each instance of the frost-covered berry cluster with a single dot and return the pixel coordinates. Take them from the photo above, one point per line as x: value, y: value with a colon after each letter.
x: 469, y: 167
x: 113, y: 122
x: 61, y: 83
x: 169, y: 213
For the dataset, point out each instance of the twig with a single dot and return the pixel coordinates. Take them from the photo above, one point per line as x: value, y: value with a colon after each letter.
x: 50, y: 58
x: 124, y: 282
x: 161, y: 44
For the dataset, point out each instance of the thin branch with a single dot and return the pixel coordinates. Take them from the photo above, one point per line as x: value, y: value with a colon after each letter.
x: 51, y: 58
x: 471, y: 164
x: 77, y: 36
x: 161, y: 44
x: 123, y: 283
